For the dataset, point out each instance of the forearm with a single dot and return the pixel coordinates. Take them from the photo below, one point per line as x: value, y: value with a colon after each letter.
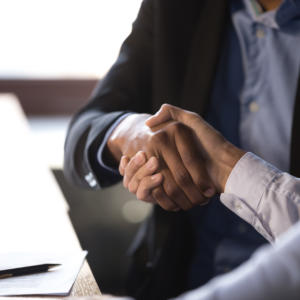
x: 126, y: 87
x: 84, y: 137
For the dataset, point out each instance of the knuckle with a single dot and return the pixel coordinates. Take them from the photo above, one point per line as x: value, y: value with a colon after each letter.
x: 165, y: 106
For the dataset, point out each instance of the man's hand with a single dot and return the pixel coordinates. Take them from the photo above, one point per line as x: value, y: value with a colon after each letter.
x: 185, y: 181
x: 219, y: 155
x: 139, y: 178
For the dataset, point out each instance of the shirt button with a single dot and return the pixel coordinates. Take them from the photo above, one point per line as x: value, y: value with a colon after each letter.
x: 260, y: 33
x: 238, y: 206
x: 253, y: 106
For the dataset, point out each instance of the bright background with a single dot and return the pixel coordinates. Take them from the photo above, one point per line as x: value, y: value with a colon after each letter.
x: 62, y: 38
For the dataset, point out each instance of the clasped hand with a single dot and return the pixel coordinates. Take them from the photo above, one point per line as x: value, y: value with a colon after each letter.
x: 183, y: 161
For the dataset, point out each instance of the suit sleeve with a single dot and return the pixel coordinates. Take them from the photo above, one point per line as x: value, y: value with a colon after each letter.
x: 125, y: 88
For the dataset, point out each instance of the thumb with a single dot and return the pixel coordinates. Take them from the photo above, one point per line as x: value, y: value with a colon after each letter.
x: 166, y: 113
x: 169, y: 112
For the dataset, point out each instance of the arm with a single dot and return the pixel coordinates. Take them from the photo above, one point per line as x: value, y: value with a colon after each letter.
x: 259, y: 193
x: 126, y: 87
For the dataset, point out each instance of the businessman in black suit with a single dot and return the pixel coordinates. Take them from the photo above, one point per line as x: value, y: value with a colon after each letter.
x: 173, y: 54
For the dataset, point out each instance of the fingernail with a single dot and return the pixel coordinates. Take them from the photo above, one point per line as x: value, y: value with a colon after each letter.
x: 209, y: 192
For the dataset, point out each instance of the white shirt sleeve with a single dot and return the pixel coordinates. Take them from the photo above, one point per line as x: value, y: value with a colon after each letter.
x: 263, y: 196
x: 269, y: 200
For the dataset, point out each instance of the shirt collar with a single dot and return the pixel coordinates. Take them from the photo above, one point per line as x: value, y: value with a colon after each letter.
x: 274, y: 18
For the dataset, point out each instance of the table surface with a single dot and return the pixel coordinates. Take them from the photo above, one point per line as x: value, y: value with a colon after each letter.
x: 33, y: 211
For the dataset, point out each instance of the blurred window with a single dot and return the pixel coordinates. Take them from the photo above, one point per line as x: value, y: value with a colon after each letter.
x: 62, y: 38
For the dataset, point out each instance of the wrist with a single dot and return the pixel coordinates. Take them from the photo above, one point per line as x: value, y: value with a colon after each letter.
x: 227, y: 158
x: 126, y: 135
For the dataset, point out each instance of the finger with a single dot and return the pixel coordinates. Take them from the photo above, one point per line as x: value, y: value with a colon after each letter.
x: 194, y: 162
x: 146, y: 186
x: 163, y: 115
x: 174, y: 192
x: 163, y: 200
x: 123, y: 163
x: 149, y: 199
x: 181, y: 175
x: 170, y: 112
x: 133, y: 166
x: 146, y: 170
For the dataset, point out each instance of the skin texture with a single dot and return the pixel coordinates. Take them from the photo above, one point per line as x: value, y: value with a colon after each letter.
x: 270, y: 4
x: 218, y: 155
x: 184, y: 181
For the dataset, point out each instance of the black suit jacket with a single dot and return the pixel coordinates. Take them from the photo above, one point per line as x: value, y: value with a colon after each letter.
x: 170, y: 56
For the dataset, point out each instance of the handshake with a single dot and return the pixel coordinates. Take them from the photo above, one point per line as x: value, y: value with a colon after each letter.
x: 173, y: 158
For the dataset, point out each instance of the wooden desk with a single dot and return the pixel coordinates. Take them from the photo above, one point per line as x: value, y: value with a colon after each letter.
x: 33, y: 212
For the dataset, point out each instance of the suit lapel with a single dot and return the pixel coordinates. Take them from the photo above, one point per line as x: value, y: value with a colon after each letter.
x: 295, y: 144
x: 204, y: 55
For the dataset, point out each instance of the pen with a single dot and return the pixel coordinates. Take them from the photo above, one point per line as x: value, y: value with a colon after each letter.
x: 27, y: 270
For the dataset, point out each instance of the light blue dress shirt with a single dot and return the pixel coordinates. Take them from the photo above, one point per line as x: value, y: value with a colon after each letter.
x: 270, y: 44
x: 265, y: 88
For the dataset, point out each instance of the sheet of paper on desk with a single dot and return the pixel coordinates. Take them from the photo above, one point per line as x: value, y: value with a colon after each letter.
x: 58, y: 281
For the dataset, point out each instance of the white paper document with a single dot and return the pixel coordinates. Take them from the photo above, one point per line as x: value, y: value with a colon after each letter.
x: 57, y: 281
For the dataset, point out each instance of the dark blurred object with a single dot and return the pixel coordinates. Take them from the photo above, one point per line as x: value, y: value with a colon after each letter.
x: 98, y: 219
x: 49, y: 96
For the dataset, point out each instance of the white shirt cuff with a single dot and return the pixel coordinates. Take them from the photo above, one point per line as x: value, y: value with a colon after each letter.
x: 245, y: 189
